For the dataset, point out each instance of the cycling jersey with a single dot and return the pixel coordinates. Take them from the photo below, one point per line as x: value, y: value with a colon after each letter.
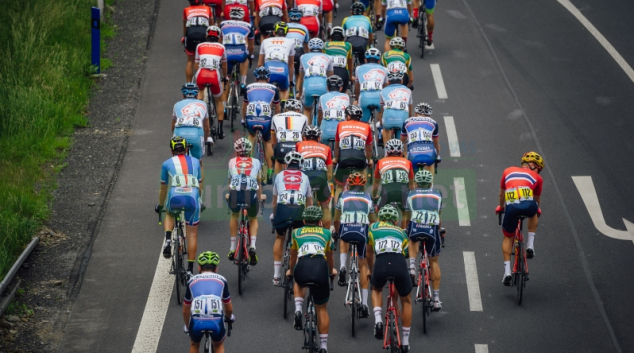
x: 397, y: 55
x: 396, y: 100
x: 396, y: 13
x: 196, y: 22
x: 312, y: 243
x: 389, y: 243
x: 270, y: 7
x: 333, y: 106
x: 234, y: 37
x: 288, y: 129
x: 291, y: 189
x: 357, y: 26
x: 395, y: 174
x: 207, y: 293
x: 421, y: 132
x: 259, y: 98
x: 243, y: 184
x: 371, y: 78
x: 209, y: 57
x: 355, y: 207
x: 315, y: 67
x: 242, y: 4
x: 310, y: 10
x: 352, y: 137
x: 317, y: 158
x: 520, y: 185
x: 182, y: 176
x: 387, y: 238
x: 425, y: 206
x: 189, y: 115
x: 277, y: 52
x: 340, y: 52
x: 299, y: 34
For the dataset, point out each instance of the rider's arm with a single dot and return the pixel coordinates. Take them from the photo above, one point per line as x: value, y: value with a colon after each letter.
x: 205, y: 128
x: 329, y: 173
x: 357, y: 90
x: 273, y: 138
x: 383, y: 10
x: 300, y: 82
x: 228, y: 310
x: 411, y: 110
x: 224, y: 68
x: 372, y: 217
x: 261, y: 59
x: 293, y: 260
x: 291, y: 67
x: 222, y: 8
x: 436, y: 145
x: 502, y: 198
x: 330, y: 259
x: 244, y: 110
x: 186, y: 313
x: 538, y: 199
x: 369, y: 255
x: 375, y: 183
x: 173, y: 124
x: 184, y: 27
x: 337, y: 219
x: 162, y: 194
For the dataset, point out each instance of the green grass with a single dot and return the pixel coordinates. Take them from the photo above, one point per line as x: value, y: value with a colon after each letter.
x: 44, y: 90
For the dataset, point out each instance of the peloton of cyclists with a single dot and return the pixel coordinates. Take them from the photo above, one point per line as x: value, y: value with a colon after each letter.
x: 314, y: 67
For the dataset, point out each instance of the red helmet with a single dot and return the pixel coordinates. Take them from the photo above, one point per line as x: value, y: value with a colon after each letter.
x: 357, y: 179
x: 213, y: 31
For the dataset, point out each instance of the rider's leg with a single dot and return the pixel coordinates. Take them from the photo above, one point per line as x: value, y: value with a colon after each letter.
x: 430, y: 24
x: 326, y: 220
x: 329, y: 21
x: 278, y: 250
x: 403, y: 33
x: 220, y: 111
x: 532, y: 228
x: 323, y: 323
x: 195, y: 347
x: 387, y: 135
x: 386, y: 46
x: 363, y: 271
x: 189, y: 69
x: 284, y: 95
x: 268, y: 153
x: 202, y: 177
x: 218, y: 347
x: 192, y: 246
x: 299, y: 294
x: 233, y: 229
x: 377, y: 9
x: 244, y: 68
x: 434, y: 270
x: 377, y: 303
x: 253, y: 229
x: 279, y: 167
x: 406, y: 318
x: 507, y: 246
x: 343, y: 254
x: 415, y: 7
x: 413, y: 251
x: 432, y: 170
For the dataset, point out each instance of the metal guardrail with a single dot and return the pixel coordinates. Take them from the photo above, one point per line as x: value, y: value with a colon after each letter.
x: 4, y: 302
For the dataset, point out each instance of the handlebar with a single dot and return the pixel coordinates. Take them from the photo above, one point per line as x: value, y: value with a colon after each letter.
x: 229, y: 326
x: 332, y: 279
x: 500, y: 218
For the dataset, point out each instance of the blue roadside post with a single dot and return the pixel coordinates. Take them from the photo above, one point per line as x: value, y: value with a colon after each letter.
x: 96, y: 39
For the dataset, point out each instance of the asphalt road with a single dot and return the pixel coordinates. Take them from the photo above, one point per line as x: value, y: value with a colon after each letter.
x: 519, y: 77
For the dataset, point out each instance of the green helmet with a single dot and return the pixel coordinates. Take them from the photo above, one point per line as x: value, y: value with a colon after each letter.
x: 208, y: 258
x: 423, y: 177
x: 388, y: 213
x: 312, y: 213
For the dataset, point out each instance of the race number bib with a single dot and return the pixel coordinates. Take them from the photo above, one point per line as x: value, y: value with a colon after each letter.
x: 396, y: 105
x: 190, y: 120
x: 197, y: 21
x: 206, y: 306
x: 271, y: 11
x: 394, y: 176
x: 233, y: 38
x: 258, y: 109
x: 339, y: 61
x: 309, y: 10
x: 396, y: 4
x: 424, y: 217
x: 314, y: 164
x: 334, y: 114
x: 298, y: 43
x: 311, y: 249
x: 357, y: 31
x: 388, y: 244
x: 371, y: 86
x: 291, y: 197
x: 354, y: 217
x: 243, y: 182
x: 519, y: 194
x: 210, y: 63
x: 348, y: 142
x: 289, y: 136
x: 316, y: 71
x: 419, y: 135
x: 184, y: 181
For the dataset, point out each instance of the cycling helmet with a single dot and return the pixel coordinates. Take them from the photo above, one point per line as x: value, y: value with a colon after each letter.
x: 334, y: 81
x: 312, y: 214
x: 178, y: 144
x: 189, y: 90
x: 236, y: 13
x: 312, y: 132
x: 395, y: 76
x: 388, y: 213
x: 243, y: 146
x: 423, y: 178
x: 195, y: 2
x: 213, y: 32
x: 397, y: 66
x: 354, y: 112
x: 316, y: 44
x: 337, y: 33
x: 295, y: 14
x: 373, y: 53
x: 294, y: 105
x: 357, y: 179
x: 424, y: 108
x: 261, y: 72
x: 208, y: 258
x: 294, y: 157
x: 357, y: 8
x: 394, y: 146
x: 281, y: 26
x: 533, y: 157
x: 397, y: 42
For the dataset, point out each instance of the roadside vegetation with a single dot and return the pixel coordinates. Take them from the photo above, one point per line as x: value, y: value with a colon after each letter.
x: 44, y: 89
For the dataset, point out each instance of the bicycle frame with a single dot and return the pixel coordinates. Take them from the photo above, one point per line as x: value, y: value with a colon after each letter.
x: 391, y: 320
x: 310, y: 324
x: 242, y: 249
x: 353, y: 292
x: 423, y: 289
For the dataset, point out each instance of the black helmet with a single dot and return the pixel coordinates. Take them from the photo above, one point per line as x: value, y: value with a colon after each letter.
x: 334, y: 81
x: 357, y: 8
x: 178, y: 144
x: 354, y: 112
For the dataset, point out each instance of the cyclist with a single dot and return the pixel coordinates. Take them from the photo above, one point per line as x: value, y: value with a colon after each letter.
x: 358, y: 29
x: 423, y: 211
x: 234, y: 33
x: 332, y: 108
x: 327, y: 7
x: 312, y: 262
x: 267, y: 14
x: 286, y: 129
x: 430, y: 5
x: 396, y: 176
x: 397, y: 13
x: 276, y: 53
x: 389, y: 243
x: 312, y: 15
x: 211, y: 59
x: 369, y: 81
x: 244, y: 189
x: 180, y: 180
x: 248, y: 13
x: 399, y: 66
x: 314, y: 67
x: 291, y: 193
x: 341, y: 53
x: 420, y: 132
x: 318, y: 168
x: 397, y: 54
x: 353, y: 215
x: 207, y: 304
x: 191, y: 121
x: 299, y: 33
x: 396, y: 101
x: 520, y: 195
x: 195, y: 22
x: 256, y: 109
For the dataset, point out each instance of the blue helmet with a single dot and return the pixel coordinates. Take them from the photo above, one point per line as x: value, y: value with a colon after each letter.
x: 261, y: 72
x: 190, y: 90
x: 373, y: 53
x: 295, y: 14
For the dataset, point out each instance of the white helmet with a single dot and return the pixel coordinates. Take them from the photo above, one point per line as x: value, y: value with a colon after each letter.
x: 294, y: 157
x: 394, y: 146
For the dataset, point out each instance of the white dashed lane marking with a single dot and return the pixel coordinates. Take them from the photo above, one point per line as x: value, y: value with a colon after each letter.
x: 481, y: 348
x: 438, y: 81
x: 461, y: 202
x: 473, y: 286
x: 452, y: 137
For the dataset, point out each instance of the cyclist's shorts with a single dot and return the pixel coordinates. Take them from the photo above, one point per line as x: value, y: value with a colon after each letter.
x: 298, y: 54
x: 359, y: 46
x: 328, y: 130
x: 394, y: 192
x: 218, y: 8
x: 246, y: 18
x: 287, y: 216
x: 355, y: 232
x: 319, y: 184
x: 195, y: 137
x: 394, y: 118
x: 279, y: 74
x: 247, y: 198
x: 281, y: 149
x: 392, y: 265
x: 421, y: 153
x: 194, y: 36
x: 342, y: 174
x: 527, y: 209
x: 184, y: 199
x: 327, y: 5
x: 394, y: 18
x: 209, y: 77
x: 267, y: 23
x: 313, y: 86
x: 265, y: 122
x: 367, y: 99
x: 236, y: 53
x: 428, y: 234
x: 345, y: 76
x: 352, y: 159
x: 430, y: 5
x: 314, y: 269
x: 216, y: 326
x: 312, y: 24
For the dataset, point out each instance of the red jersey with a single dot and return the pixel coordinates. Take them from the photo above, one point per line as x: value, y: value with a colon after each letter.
x: 197, y: 15
x: 514, y: 177
x: 210, y: 55
x: 352, y: 127
x: 263, y: 4
x: 314, y: 149
x: 388, y: 163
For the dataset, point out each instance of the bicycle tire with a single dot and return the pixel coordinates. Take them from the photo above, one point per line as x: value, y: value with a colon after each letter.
x: 353, y: 306
x: 425, y: 303
x: 286, y: 283
x: 240, y: 263
x: 521, y: 274
x: 177, y: 263
x: 312, y: 327
x: 231, y: 104
x: 209, y: 347
x: 393, y: 341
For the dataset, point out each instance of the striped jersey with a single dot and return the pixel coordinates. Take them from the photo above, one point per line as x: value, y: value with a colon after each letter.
x: 181, y: 171
x: 394, y: 170
x: 317, y: 156
x: 210, y: 55
x: 207, y: 293
x: 311, y: 241
x: 420, y: 129
x: 355, y: 206
x: 288, y: 126
x: 340, y: 52
x: 397, y: 55
x: 515, y: 177
x: 387, y: 238
x: 299, y: 33
x: 425, y: 205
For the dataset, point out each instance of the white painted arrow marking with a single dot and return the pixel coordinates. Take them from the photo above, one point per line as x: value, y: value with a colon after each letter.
x: 589, y: 195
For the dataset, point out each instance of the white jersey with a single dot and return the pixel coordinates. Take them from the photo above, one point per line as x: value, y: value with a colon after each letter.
x: 288, y: 126
x: 277, y: 49
x: 396, y: 4
x: 244, y: 173
x: 292, y: 187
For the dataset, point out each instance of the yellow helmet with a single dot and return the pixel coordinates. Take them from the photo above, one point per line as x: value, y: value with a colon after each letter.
x: 533, y: 157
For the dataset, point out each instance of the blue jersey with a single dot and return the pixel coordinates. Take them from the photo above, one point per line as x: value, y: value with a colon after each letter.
x: 357, y: 26
x: 190, y: 112
x: 334, y: 104
x: 396, y: 97
x: 429, y: 200
x: 206, y: 293
x: 299, y: 33
x: 181, y: 171
x: 315, y: 67
x: 234, y: 32
x: 259, y: 98
x: 420, y: 129
x: 371, y: 73
x: 355, y: 206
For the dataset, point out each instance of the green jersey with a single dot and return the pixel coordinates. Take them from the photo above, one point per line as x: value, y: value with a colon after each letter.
x: 397, y: 55
x: 311, y: 241
x: 340, y: 53
x: 387, y: 238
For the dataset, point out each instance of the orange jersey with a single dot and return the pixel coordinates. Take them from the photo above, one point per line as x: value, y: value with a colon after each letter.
x: 191, y: 13
x: 352, y: 127
x: 313, y: 149
x: 262, y: 4
x: 388, y: 163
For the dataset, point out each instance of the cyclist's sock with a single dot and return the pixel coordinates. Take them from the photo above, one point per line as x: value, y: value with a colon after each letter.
x: 377, y: 314
x: 220, y: 124
x: 430, y: 33
x: 244, y: 80
x: 343, y: 259
x: 190, y: 265
x: 233, y: 244
x: 253, y: 241
x: 507, y: 267
x: 412, y: 262
x: 364, y: 296
x: 168, y: 234
x: 277, y: 265
x: 415, y: 13
x: 531, y: 239
x: 330, y: 25
x: 405, y: 341
x: 323, y: 339
x: 299, y: 304
x: 436, y: 295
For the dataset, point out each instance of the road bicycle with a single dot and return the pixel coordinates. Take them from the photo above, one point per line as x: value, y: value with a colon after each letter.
x: 311, y: 338
x: 391, y: 336
x: 213, y: 116
x: 179, y: 251
x: 209, y: 346
x: 233, y: 101
x: 423, y: 284
x: 353, y: 293
x: 423, y: 36
x: 243, y: 240
x: 520, y: 266
x: 286, y: 283
x: 259, y: 151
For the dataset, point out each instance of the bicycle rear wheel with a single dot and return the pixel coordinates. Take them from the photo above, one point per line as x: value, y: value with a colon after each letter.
x: 241, y: 261
x: 425, y: 301
x: 520, y: 273
x: 231, y: 104
x: 287, y: 284
x: 209, y: 347
x: 353, y: 305
x: 394, y: 348
x: 177, y: 263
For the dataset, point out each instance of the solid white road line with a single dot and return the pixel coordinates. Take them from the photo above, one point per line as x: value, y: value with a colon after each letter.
x: 452, y: 137
x: 440, y: 84
x: 461, y: 202
x: 430, y: 47
x: 147, y: 338
x: 604, y: 42
x: 481, y: 348
x: 473, y: 286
